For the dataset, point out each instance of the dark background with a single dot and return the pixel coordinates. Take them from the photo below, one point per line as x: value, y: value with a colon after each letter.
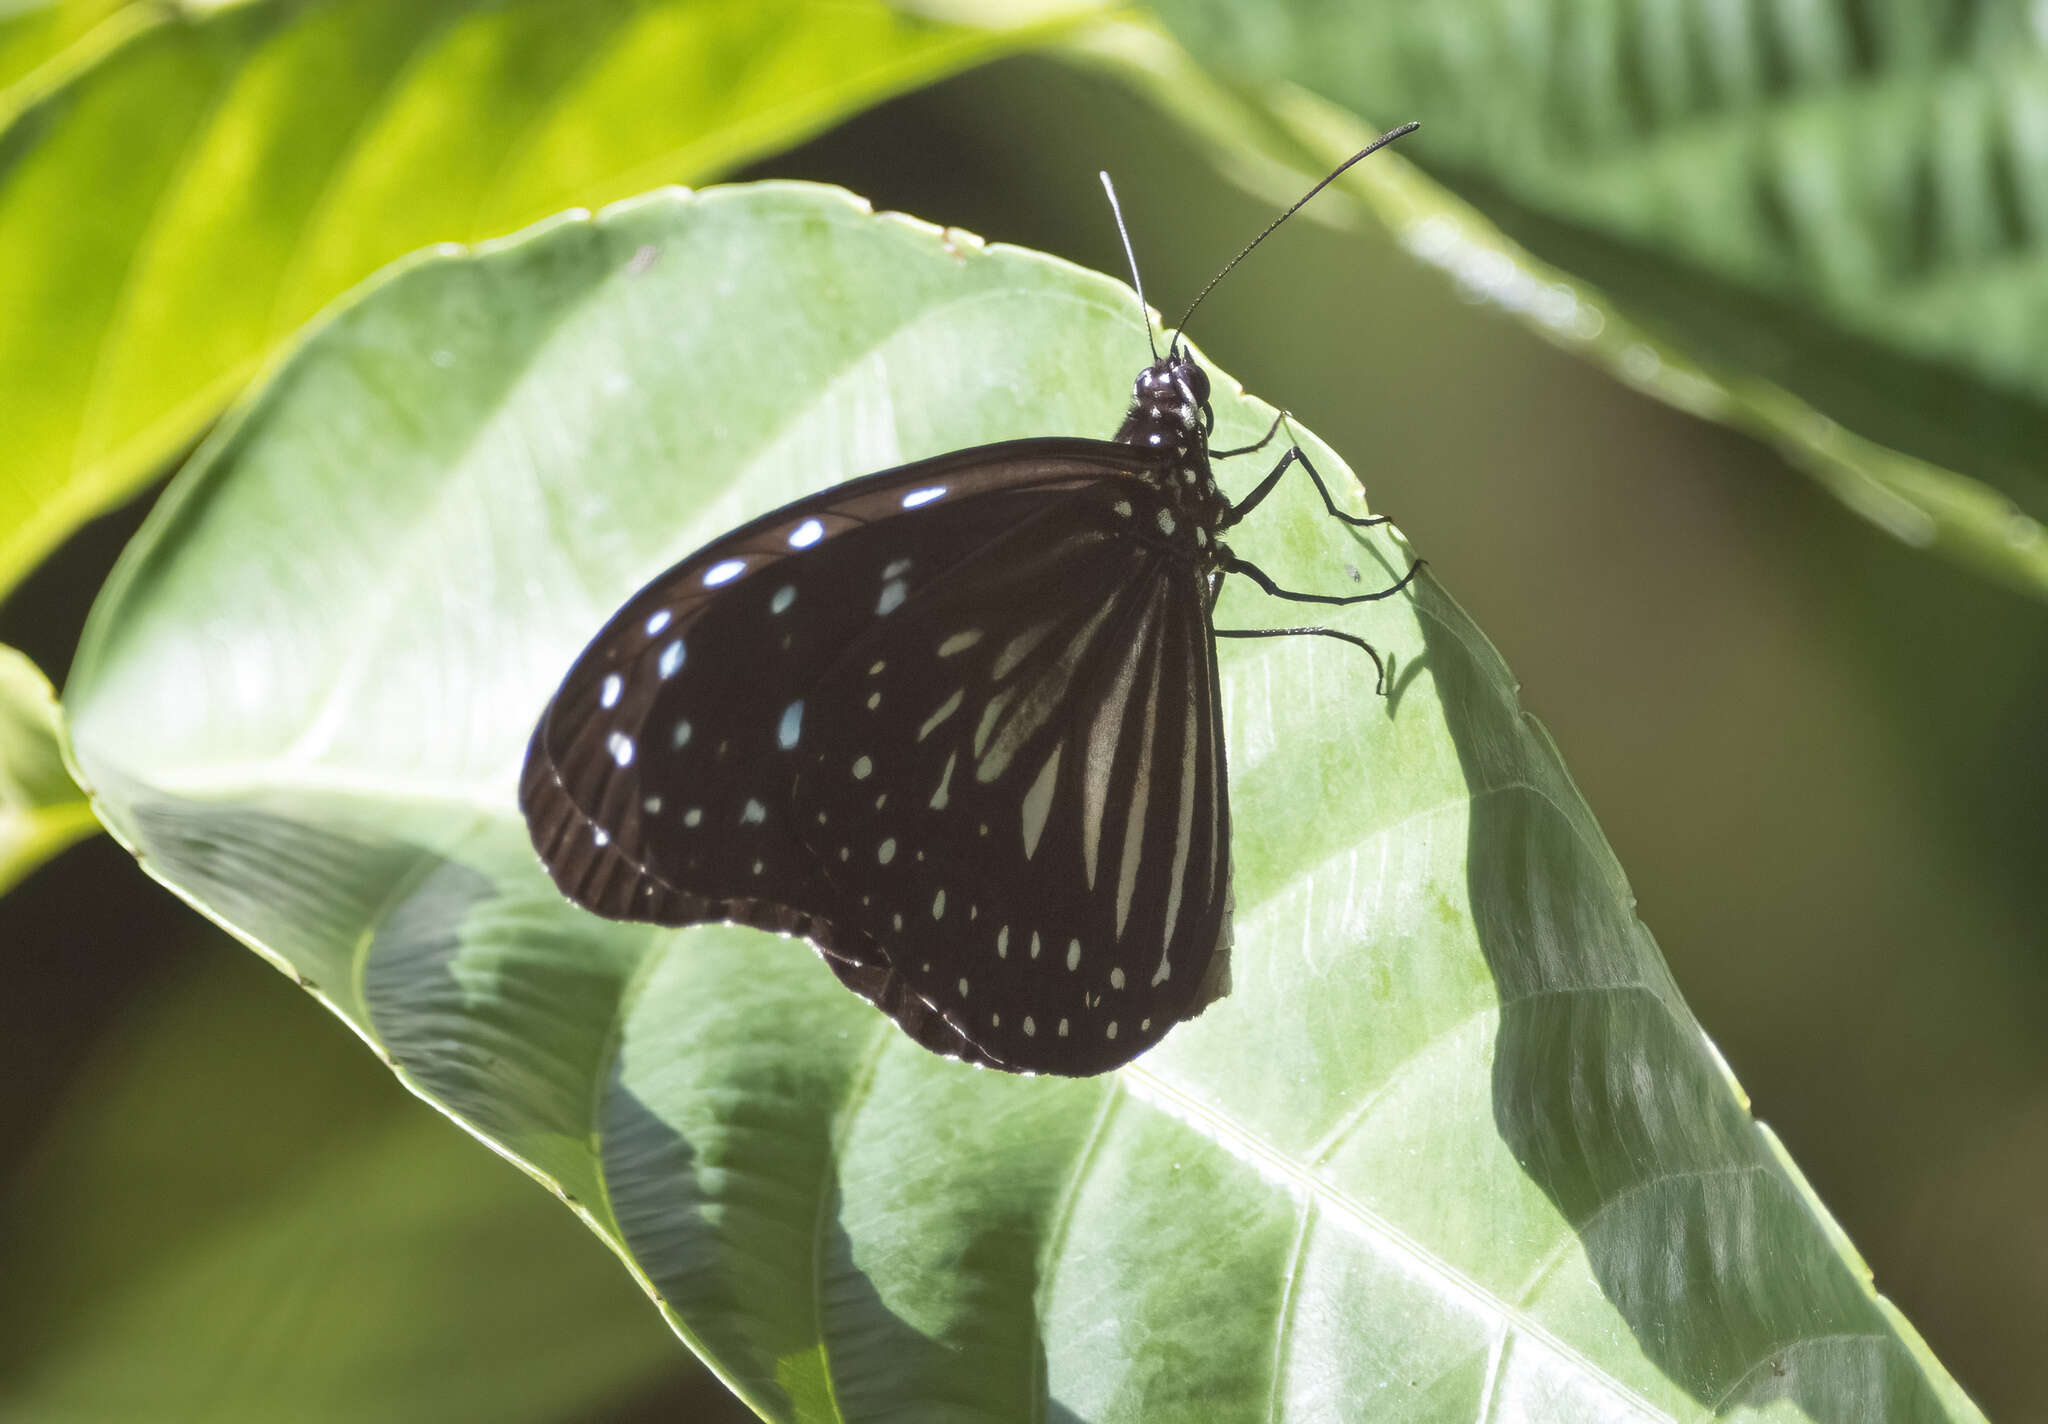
x: 1819, y: 755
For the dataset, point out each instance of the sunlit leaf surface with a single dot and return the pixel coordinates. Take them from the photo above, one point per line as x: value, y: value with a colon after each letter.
x: 174, y: 210
x: 1452, y: 1149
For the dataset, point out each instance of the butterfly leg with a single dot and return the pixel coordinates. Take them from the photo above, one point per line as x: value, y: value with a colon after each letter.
x: 1294, y: 455
x: 1261, y: 443
x: 1357, y: 642
x: 1232, y: 564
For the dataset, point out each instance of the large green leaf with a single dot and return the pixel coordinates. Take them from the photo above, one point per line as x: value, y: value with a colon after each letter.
x: 1821, y: 222
x: 175, y: 209
x: 190, y: 1239
x: 1453, y: 1138
x: 41, y: 810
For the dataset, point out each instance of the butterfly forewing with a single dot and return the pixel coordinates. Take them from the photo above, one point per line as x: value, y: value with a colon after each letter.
x: 1017, y: 785
x: 658, y: 782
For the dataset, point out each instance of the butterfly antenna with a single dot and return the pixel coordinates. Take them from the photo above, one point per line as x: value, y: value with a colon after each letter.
x: 1374, y: 147
x: 1131, y: 257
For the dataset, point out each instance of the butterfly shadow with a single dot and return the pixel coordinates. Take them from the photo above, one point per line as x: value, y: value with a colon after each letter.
x: 1610, y: 1099
x: 1401, y: 675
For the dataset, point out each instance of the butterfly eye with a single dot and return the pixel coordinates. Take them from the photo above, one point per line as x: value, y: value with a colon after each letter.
x: 1197, y: 382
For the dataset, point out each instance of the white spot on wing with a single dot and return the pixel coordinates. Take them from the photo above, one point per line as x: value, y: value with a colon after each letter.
x: 784, y: 596
x: 960, y: 642
x: 754, y: 814
x: 923, y: 496
x: 621, y: 747
x: 792, y: 725
x: 724, y: 571
x: 658, y: 622
x: 608, y: 692
x: 806, y: 534
x: 893, y: 594
x: 1073, y: 954
x: 671, y: 659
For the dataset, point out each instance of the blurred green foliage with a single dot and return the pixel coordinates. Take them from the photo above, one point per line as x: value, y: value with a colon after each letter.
x: 1815, y: 226
x: 191, y: 1239
x: 1816, y: 753
x: 41, y: 811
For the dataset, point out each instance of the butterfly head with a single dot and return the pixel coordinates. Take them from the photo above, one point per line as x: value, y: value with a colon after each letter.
x: 1174, y: 391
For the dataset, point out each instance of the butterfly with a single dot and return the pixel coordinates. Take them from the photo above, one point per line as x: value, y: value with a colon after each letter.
x: 957, y: 723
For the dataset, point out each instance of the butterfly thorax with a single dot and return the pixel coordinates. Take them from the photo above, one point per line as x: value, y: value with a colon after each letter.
x: 1170, y: 421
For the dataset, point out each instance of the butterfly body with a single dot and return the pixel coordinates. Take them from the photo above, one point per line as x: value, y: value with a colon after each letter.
x: 956, y: 723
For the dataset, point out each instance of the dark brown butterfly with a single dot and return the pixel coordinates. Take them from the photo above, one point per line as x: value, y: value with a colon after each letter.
x: 957, y: 723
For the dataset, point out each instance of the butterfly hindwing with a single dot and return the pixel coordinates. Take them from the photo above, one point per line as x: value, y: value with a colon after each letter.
x: 1017, y: 782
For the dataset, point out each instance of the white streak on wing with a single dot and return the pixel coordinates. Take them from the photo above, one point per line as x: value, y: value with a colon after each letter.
x: 1140, y: 797
x: 1047, y: 691
x: 946, y: 709
x: 989, y: 713
x: 939, y: 797
x: 1188, y: 791
x: 1038, y: 801
x: 1102, y: 742
x: 1018, y: 649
